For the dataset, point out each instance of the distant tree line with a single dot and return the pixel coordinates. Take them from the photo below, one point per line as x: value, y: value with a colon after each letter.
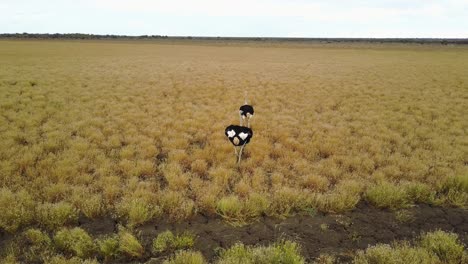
x: 75, y: 36
x: 78, y: 36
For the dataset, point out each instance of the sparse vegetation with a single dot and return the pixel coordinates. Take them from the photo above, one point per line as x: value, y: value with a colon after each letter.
x: 17, y: 209
x: 404, y: 216
x: 186, y: 257
x: 129, y: 244
x: 78, y: 246
x: 436, y: 247
x: 75, y: 241
x: 167, y: 241
x: 387, y: 195
x: 109, y: 247
x: 280, y: 252
x: 134, y: 131
x: 55, y: 215
x: 446, y: 246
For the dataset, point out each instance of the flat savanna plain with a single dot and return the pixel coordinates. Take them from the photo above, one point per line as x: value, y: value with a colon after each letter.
x: 134, y: 132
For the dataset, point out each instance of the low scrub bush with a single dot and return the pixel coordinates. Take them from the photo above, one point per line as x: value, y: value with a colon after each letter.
x: 55, y: 215
x: 454, y: 191
x: 167, y: 241
x: 75, y: 241
x: 280, y: 252
x: 345, y: 197
x: 400, y: 253
x: 17, y: 209
x: 434, y: 247
x: 387, y: 195
x: 38, y: 245
x: 419, y: 193
x: 137, y: 211
x: 108, y: 247
x: 445, y: 245
x: 129, y: 244
x: 186, y: 257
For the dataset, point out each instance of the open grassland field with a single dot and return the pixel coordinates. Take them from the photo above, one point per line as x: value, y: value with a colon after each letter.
x: 109, y: 149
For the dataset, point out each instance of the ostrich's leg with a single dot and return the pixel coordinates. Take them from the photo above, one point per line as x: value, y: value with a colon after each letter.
x: 240, y: 154
x: 248, y: 119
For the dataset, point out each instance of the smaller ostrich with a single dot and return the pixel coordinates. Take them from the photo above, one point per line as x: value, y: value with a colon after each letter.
x: 239, y: 137
x: 246, y: 112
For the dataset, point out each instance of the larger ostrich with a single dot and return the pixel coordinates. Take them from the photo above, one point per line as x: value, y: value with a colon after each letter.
x: 239, y: 137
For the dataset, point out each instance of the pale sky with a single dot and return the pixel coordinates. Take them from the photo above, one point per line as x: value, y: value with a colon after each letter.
x: 240, y: 18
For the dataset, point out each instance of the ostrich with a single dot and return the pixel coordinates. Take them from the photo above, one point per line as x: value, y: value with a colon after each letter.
x: 239, y: 137
x: 245, y: 112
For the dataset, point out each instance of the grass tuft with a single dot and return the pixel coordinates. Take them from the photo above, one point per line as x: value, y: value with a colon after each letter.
x: 129, y: 244
x: 445, y: 245
x: 399, y: 253
x: 186, y: 257
x: 280, y: 252
x: 109, y: 247
x: 17, y: 209
x: 434, y: 247
x: 75, y: 241
x: 387, y: 195
x: 56, y: 215
x: 167, y: 241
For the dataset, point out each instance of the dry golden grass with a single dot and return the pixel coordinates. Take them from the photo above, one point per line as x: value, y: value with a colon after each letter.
x: 135, y: 129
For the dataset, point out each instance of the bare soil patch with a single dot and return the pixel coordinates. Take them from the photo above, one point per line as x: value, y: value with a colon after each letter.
x: 338, y: 234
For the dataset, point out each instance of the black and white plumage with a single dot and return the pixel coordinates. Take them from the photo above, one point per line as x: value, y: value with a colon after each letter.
x: 246, y: 112
x: 238, y: 135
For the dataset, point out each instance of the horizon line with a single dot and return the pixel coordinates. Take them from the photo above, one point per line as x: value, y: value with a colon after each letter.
x: 237, y: 37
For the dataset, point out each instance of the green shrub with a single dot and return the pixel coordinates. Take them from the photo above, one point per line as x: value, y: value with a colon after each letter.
x: 184, y: 240
x: 387, y: 195
x: 55, y: 215
x: 404, y: 216
x: 137, y: 211
x: 345, y: 197
x: 92, y: 207
x: 455, y: 191
x: 281, y: 252
x: 75, y: 241
x: 167, y: 241
x: 398, y: 254
x: 74, y: 260
x: 286, y: 201
x: 129, y: 244
x: 163, y: 241
x: 325, y: 259
x: 38, y: 245
x: 37, y: 237
x: 17, y: 209
x: 256, y: 204
x: 9, y: 259
x: 108, y: 247
x: 445, y: 245
x: 419, y: 193
x: 230, y: 208
x: 435, y: 247
x: 186, y: 257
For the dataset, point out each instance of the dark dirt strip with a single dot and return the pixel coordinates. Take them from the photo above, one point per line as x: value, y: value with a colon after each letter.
x: 339, y: 235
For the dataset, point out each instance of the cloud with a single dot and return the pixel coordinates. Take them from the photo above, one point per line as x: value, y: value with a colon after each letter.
x: 321, y: 10
x: 300, y: 18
